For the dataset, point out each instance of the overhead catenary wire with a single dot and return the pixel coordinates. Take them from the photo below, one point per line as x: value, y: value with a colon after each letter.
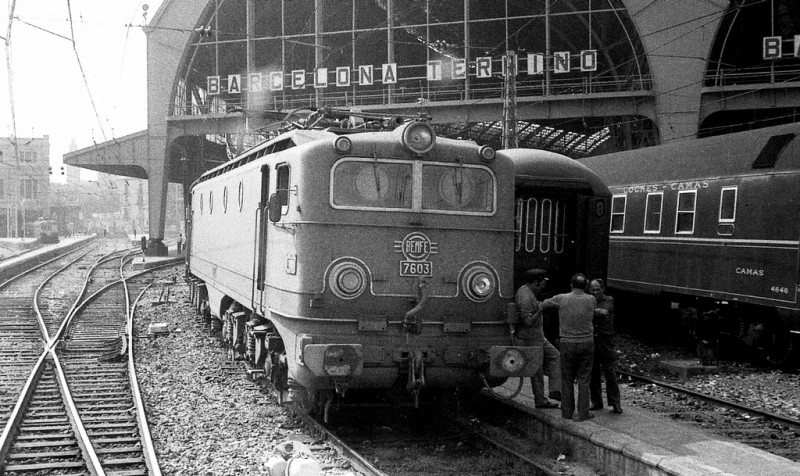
x: 83, y: 73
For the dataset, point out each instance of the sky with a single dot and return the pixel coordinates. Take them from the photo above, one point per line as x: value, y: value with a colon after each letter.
x: 52, y: 94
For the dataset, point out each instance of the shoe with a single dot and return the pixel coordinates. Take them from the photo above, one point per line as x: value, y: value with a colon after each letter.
x: 617, y: 409
x: 556, y: 395
x: 547, y: 405
x: 596, y: 406
x: 588, y: 416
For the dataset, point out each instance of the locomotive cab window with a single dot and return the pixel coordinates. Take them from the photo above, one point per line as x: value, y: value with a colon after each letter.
x: 618, y: 203
x: 379, y: 184
x: 282, y: 187
x: 684, y: 215
x: 372, y: 184
x: 652, y: 216
x: 458, y: 188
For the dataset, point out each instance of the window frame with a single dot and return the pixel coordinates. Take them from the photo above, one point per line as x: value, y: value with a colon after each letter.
x: 530, y: 244
x: 735, y: 189
x: 645, y: 229
x: 624, y: 198
x: 678, y: 211
x: 416, y: 190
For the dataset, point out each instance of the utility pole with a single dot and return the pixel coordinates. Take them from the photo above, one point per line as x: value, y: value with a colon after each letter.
x: 510, y: 102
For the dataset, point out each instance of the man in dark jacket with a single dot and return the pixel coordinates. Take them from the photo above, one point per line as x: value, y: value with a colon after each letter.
x: 605, y: 352
x: 529, y: 332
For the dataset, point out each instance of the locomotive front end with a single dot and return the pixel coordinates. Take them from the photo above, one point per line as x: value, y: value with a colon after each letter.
x: 411, y: 255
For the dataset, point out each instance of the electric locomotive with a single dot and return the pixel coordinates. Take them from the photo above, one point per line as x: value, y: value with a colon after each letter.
x: 710, y: 226
x: 336, y: 260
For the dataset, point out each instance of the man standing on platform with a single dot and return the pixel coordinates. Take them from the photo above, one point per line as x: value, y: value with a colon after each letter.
x: 605, y: 352
x: 575, y: 313
x: 529, y: 332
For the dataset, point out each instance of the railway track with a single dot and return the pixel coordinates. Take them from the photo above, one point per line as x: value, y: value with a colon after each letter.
x: 79, y: 411
x: 478, y: 436
x: 759, y: 428
x: 21, y: 339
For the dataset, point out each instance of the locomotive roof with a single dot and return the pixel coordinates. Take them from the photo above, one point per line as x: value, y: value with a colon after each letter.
x: 289, y: 139
x: 753, y: 152
x: 549, y: 167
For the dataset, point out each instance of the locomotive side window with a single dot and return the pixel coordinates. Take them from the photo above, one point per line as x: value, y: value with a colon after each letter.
x: 684, y: 216
x: 618, y: 213
x: 457, y: 188
x: 727, y: 205
x: 652, y: 215
x: 373, y: 184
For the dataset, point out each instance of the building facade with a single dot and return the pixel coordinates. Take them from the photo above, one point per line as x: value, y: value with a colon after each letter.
x: 24, y: 184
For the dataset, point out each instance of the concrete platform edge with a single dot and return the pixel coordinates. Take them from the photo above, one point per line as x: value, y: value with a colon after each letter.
x: 614, y: 451
x: 18, y: 264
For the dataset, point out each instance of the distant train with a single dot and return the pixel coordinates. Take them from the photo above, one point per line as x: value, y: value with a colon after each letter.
x: 712, y: 226
x: 334, y: 258
x: 46, y: 231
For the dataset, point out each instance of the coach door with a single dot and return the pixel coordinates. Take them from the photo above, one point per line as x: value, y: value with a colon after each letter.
x: 262, y: 220
x: 545, y: 228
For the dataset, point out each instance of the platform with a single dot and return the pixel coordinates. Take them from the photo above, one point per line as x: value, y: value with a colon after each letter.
x: 639, y: 442
x: 18, y: 263
x: 147, y: 262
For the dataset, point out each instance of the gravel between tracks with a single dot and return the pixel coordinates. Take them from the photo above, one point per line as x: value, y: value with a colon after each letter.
x: 205, y: 416
x: 753, y: 386
x: 767, y: 389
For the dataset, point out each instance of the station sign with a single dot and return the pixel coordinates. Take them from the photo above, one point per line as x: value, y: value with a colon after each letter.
x: 772, y: 47
x: 387, y: 73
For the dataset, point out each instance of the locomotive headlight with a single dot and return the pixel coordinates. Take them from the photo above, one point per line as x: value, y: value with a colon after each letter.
x: 418, y: 137
x: 479, y: 283
x: 513, y: 361
x: 347, y: 280
x: 343, y: 144
x: 487, y: 154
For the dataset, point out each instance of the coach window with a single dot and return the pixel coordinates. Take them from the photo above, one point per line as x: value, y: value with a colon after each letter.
x: 531, y: 225
x: 225, y: 199
x: 618, y: 213
x: 283, y: 187
x: 684, y: 216
x: 545, y: 225
x: 561, y: 227
x: 727, y: 205
x: 210, y: 203
x: 519, y: 207
x: 652, y: 216
x: 201, y: 203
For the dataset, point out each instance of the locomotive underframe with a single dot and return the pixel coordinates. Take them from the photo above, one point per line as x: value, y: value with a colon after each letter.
x: 328, y: 360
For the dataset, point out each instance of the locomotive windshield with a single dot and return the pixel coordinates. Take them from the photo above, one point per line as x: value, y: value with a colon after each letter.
x: 391, y: 185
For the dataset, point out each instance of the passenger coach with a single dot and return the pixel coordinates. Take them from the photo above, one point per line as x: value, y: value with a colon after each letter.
x: 711, y: 225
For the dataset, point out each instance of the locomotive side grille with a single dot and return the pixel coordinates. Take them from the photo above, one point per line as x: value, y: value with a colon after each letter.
x: 772, y: 150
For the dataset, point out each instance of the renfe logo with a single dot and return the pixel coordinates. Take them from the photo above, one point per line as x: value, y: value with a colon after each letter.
x: 416, y: 248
